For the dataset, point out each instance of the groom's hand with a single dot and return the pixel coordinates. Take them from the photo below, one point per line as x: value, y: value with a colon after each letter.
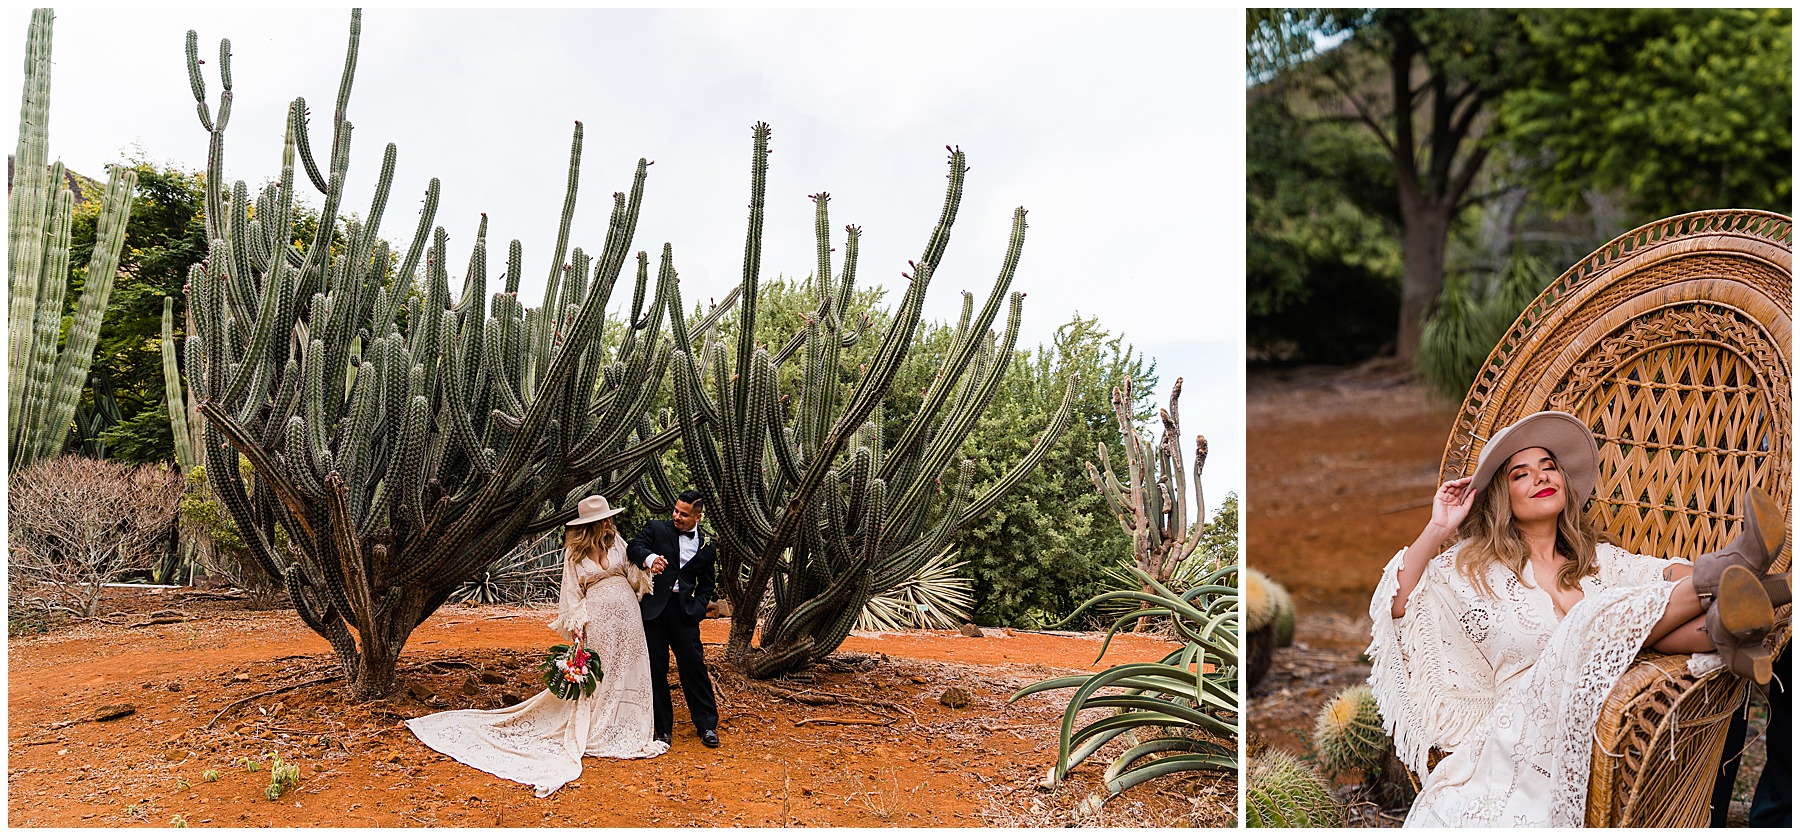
x: 659, y: 564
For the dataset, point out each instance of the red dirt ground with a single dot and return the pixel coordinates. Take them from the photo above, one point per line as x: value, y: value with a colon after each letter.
x: 926, y: 765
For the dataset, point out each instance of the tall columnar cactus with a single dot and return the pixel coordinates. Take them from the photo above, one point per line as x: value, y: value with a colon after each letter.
x: 400, y: 440
x: 178, y: 423
x: 814, y: 508
x: 1151, y: 502
x: 43, y: 383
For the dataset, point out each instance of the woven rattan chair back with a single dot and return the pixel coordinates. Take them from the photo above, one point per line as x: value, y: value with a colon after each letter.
x: 1672, y: 343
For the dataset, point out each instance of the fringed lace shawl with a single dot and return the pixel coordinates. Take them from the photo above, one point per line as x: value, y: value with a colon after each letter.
x: 1505, y: 685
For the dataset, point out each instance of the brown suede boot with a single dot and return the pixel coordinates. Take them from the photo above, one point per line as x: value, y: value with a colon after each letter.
x: 1780, y: 588
x: 1739, y: 618
x: 1754, y: 549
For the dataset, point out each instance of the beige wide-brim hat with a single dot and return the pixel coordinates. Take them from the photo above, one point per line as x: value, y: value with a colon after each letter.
x: 1562, y: 434
x: 593, y: 509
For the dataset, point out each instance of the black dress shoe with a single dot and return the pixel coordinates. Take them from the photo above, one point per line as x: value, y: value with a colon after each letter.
x: 710, y: 738
x: 663, y: 738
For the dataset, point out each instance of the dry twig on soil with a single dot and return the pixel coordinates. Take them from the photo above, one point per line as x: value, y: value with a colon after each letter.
x: 283, y: 689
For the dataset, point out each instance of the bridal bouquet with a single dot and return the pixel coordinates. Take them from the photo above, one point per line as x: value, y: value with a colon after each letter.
x: 572, y: 671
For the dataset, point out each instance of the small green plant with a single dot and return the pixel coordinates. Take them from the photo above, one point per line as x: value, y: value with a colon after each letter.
x: 1280, y: 791
x: 282, y: 777
x: 178, y: 821
x: 250, y: 764
x: 210, y: 775
x: 180, y: 783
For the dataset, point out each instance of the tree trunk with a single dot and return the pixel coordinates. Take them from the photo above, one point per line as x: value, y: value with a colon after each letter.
x: 1427, y: 225
x: 373, y: 677
x: 743, y: 628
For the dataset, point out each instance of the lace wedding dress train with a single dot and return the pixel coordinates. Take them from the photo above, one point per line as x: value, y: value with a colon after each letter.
x: 541, y: 741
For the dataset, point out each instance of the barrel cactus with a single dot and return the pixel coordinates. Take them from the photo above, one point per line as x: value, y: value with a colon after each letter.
x: 44, y: 384
x: 401, y: 437
x: 1284, y: 615
x: 1281, y: 791
x: 816, y: 508
x: 1347, y: 735
x: 1261, y: 608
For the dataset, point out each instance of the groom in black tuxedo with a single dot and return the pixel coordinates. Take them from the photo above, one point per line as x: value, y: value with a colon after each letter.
x: 682, y: 560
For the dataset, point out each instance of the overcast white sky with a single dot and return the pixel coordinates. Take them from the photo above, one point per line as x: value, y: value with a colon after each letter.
x: 1121, y: 132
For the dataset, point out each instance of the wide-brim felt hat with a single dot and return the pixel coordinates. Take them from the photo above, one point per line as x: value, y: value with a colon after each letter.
x: 1569, y: 440
x: 593, y: 509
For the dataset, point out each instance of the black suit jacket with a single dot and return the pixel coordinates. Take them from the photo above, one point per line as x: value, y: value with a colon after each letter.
x: 659, y: 537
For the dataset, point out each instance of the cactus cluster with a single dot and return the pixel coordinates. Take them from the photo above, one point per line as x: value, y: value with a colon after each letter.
x: 816, y: 509
x: 1347, y: 735
x: 44, y: 383
x: 1282, y: 791
x: 400, y: 436
x: 1151, y: 502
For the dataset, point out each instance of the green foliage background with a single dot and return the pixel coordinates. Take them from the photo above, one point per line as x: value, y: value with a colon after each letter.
x: 1593, y: 122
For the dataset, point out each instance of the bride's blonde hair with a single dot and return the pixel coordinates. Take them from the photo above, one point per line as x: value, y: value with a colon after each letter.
x: 592, y: 540
x: 1492, y: 538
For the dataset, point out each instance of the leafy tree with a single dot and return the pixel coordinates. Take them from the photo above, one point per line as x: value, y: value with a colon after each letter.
x: 1041, y: 552
x: 1423, y: 82
x: 164, y: 237
x: 1682, y: 109
x: 1323, y: 258
x: 1679, y: 109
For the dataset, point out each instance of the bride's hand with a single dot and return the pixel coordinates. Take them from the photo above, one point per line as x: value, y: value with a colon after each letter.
x: 1450, y: 505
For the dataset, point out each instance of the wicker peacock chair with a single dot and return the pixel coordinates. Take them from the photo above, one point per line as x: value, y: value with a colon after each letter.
x: 1672, y: 344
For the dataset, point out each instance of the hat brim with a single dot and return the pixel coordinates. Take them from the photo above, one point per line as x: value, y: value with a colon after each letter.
x: 595, y: 518
x: 1569, y: 440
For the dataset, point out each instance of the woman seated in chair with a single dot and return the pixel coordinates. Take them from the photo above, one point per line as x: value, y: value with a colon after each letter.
x: 1500, y: 650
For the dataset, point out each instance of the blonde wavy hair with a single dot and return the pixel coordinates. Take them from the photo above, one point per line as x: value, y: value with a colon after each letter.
x: 1490, y: 537
x: 592, y: 540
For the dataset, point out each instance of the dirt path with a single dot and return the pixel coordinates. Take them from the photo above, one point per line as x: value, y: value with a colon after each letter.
x: 929, y: 765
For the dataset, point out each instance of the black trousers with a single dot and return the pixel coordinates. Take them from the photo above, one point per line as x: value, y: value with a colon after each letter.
x: 671, y: 631
x: 1773, y: 803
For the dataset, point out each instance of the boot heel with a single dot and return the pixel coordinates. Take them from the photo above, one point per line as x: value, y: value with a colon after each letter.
x: 1762, y: 515
x: 1753, y: 662
x: 1743, y: 605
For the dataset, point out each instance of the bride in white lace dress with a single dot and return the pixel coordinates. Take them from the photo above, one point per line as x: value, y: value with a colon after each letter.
x: 541, y: 741
x: 1500, y: 650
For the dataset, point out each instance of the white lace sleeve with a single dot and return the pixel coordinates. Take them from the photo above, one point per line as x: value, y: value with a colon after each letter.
x: 1430, y: 682
x: 1620, y: 568
x: 571, y: 613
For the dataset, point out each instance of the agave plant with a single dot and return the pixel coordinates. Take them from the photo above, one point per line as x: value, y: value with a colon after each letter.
x: 1187, y: 574
x: 1183, y: 711
x: 934, y: 598
x: 529, y: 573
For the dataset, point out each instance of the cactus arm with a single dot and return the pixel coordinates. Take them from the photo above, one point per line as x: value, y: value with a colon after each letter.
x: 759, y: 175
x: 30, y: 200
x: 184, y: 452
x: 78, y: 354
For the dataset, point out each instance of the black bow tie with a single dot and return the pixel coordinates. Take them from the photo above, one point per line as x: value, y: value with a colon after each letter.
x: 695, y: 532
